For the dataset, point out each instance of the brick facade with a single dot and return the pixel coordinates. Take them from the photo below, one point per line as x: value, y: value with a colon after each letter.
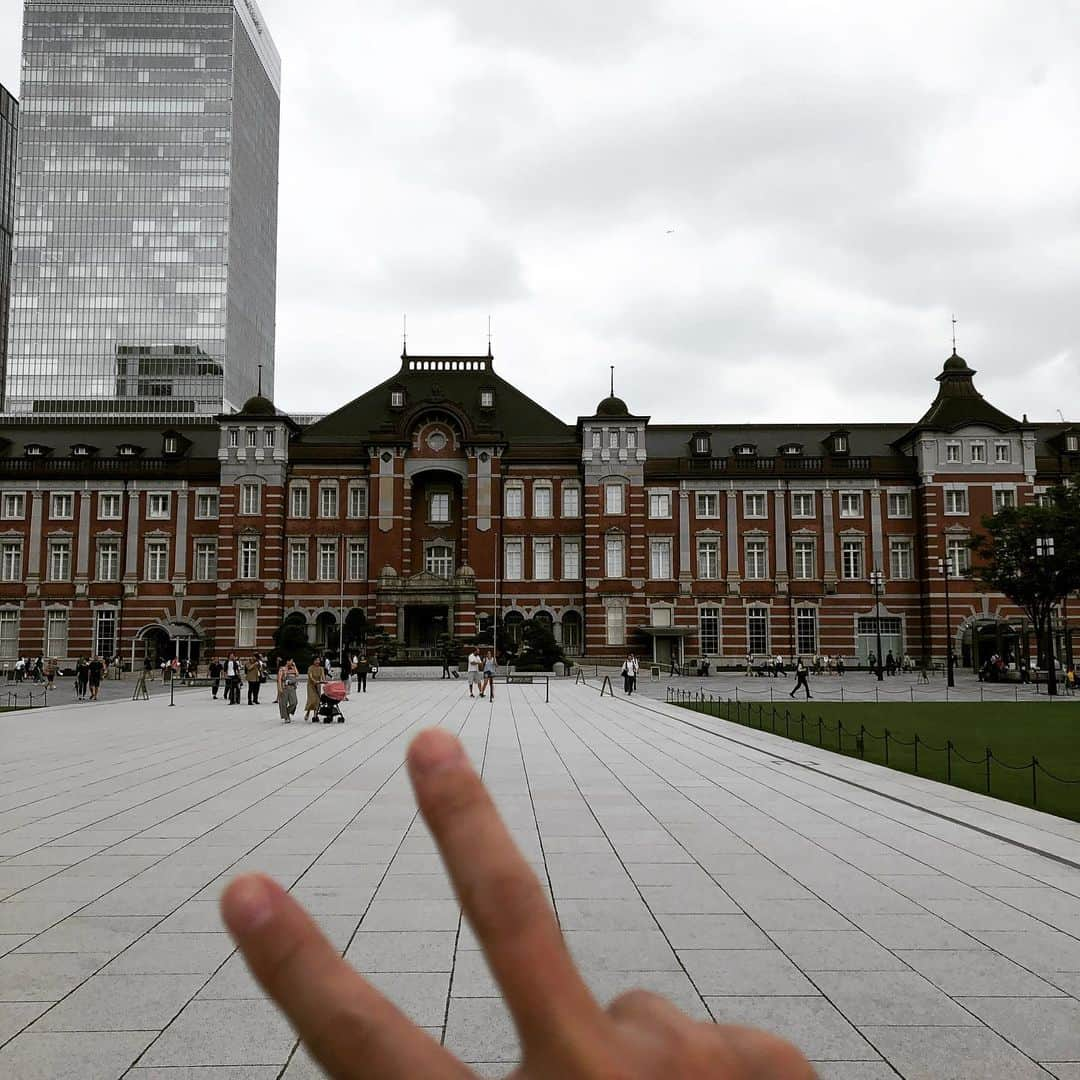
x: 444, y: 496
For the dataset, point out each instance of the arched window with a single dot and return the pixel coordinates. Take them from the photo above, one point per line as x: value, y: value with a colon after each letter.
x: 513, y: 623
x: 571, y: 633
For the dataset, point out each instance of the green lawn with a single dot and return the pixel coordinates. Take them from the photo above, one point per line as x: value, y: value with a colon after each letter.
x: 1014, y: 733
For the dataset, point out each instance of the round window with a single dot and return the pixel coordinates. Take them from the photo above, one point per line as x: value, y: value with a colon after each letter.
x: 437, y: 441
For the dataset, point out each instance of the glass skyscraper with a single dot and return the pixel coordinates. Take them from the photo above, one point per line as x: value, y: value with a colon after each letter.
x: 146, y: 209
x: 9, y: 126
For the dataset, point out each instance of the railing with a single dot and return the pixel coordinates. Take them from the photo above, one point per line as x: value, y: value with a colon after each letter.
x: 12, y: 699
x: 784, y: 463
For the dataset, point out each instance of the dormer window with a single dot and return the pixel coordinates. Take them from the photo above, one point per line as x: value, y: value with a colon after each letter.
x: 840, y: 444
x: 487, y: 399
x: 791, y: 450
x: 1072, y: 444
x: 126, y: 450
x: 703, y: 444
x: 397, y: 399
x: 171, y: 445
x: 35, y: 450
x: 745, y: 450
x: 80, y: 450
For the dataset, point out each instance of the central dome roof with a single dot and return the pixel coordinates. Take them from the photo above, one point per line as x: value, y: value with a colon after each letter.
x: 258, y: 406
x: 612, y: 406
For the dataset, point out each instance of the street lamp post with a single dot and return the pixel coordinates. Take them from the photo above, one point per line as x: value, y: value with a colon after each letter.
x: 877, y: 581
x: 1044, y: 549
x: 945, y: 567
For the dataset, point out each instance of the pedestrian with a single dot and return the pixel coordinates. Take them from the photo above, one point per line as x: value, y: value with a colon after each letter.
x: 287, y: 677
x: 362, y: 669
x: 96, y: 670
x: 488, y: 683
x: 50, y: 674
x: 233, y: 672
x: 214, y: 671
x: 840, y: 666
x: 749, y: 665
x: 253, y: 675
x: 627, y: 672
x: 871, y: 662
x: 890, y: 664
x: 447, y: 658
x: 316, y: 676
x: 82, y: 677
x: 801, y: 675
x: 147, y: 667
x: 475, y: 663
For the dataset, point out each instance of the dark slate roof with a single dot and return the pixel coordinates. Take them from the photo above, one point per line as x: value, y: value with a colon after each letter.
x: 612, y: 406
x: 453, y: 383
x: 864, y: 440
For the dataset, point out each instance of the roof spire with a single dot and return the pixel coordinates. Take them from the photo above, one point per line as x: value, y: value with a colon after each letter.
x: 489, y: 337
x: 404, y: 336
x: 612, y: 366
x: 260, y: 380
x: 954, y: 335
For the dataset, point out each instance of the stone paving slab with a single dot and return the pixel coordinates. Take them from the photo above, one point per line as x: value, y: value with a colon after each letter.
x: 854, y: 910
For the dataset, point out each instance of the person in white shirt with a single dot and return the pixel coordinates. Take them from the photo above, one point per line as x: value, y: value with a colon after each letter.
x: 629, y: 673
x: 475, y: 664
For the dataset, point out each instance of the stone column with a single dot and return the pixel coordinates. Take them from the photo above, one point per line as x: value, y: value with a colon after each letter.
x: 781, y: 541
x: 733, y: 576
x: 829, y: 537
x: 180, y: 555
x: 877, y: 539
x: 131, y: 543
x: 33, y: 558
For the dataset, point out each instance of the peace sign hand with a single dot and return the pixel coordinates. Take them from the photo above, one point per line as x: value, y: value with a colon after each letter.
x: 355, y: 1032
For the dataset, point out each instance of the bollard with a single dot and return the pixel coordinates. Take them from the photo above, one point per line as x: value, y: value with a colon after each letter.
x: 886, y: 746
x: 916, y: 753
x: 819, y: 727
x: 912, y: 690
x: 841, y: 693
x: 989, y: 755
x: 172, y: 684
x: 1034, y: 789
x: 862, y: 741
x: 948, y: 761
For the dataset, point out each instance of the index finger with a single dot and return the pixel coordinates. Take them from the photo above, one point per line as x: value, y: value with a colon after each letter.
x: 550, y: 1003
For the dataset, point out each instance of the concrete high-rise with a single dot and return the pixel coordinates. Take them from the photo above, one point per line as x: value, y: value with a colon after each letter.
x: 9, y: 126
x: 144, y: 276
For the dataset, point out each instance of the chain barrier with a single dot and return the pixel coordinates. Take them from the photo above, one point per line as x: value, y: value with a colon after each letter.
x: 743, y: 712
x: 13, y: 696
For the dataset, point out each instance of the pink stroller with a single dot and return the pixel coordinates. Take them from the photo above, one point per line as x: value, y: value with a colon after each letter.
x: 332, y: 694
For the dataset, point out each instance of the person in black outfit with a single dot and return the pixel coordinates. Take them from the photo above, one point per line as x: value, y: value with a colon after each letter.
x: 801, y: 679
x: 215, y: 673
x: 890, y: 663
x: 362, y: 668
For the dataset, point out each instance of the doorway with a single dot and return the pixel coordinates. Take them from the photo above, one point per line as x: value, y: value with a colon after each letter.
x: 424, y: 625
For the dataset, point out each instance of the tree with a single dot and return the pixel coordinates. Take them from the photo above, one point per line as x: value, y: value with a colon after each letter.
x: 291, y: 643
x: 1012, y: 557
x: 540, y: 651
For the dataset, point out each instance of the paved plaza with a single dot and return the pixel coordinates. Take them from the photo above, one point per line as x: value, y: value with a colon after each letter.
x: 888, y: 925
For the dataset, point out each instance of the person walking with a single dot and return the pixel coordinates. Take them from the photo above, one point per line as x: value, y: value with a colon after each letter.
x: 627, y: 672
x: 214, y: 671
x: 446, y: 660
x: 232, y: 679
x: 475, y: 664
x: 96, y: 670
x: 287, y: 677
x: 488, y: 682
x: 253, y: 675
x: 316, y: 676
x: 890, y: 664
x: 362, y: 669
x: 82, y: 677
x: 840, y: 667
x: 801, y: 675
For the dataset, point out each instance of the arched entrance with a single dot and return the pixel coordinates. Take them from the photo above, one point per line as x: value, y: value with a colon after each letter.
x: 571, y: 633
x: 166, y: 642
x: 327, y: 637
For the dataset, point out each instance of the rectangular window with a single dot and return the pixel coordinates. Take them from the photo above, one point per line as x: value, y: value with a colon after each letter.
x: 110, y: 506
x: 978, y: 453
x: 206, y: 505
x: 571, y: 501
x: 358, y: 560
x: 542, y: 500
x: 757, y: 560
x: 249, y: 499
x: 105, y: 633
x: 205, y: 560
x: 571, y: 560
x: 328, y: 500
x: 613, y: 440
x: 596, y: 443
x: 14, y: 505
x: 157, y: 505
x: 11, y: 560
x: 631, y: 440
x: 708, y: 559
x: 328, y: 550
x: 659, y: 504
x: 56, y: 632
x: 108, y: 568
x: 901, y: 559
x: 709, y: 630
x: 661, y: 615
x: 1004, y: 499
x: 660, y: 559
x: 439, y: 507
x: 157, y: 560
x: 251, y: 437
x: 806, y: 636
x: 757, y: 630
x: 541, y: 560
x: 249, y: 559
x: 956, y: 501
x: 62, y: 508
x: 754, y: 504
x: 9, y: 635
x: 245, y: 628
x: 358, y: 501
x: 804, y: 557
x: 613, y: 498
x: 616, y: 626
x: 851, y: 504
x: 298, y: 553
x: 952, y: 452
x: 708, y: 504
x: 613, y: 557
x: 299, y: 501
x: 899, y: 504
x: 513, y: 563
x: 268, y: 438
x: 851, y: 559
x: 1002, y: 452
x: 958, y: 551
x: 802, y: 504
x: 59, y: 560
x: 515, y: 501
x: 234, y: 438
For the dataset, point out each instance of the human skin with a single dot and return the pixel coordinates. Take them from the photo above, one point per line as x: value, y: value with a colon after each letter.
x: 354, y: 1032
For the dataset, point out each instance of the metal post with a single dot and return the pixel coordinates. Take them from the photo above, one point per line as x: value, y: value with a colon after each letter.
x: 1034, y: 788
x: 946, y: 570
x: 989, y: 756
x: 1044, y: 549
x: 948, y: 761
x: 172, y: 691
x: 877, y: 580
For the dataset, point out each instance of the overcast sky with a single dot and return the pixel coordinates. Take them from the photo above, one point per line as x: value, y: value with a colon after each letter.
x: 840, y: 179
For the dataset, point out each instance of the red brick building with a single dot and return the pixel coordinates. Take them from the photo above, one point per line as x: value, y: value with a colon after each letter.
x: 445, y: 498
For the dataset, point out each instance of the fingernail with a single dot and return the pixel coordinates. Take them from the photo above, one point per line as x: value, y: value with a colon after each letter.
x: 248, y: 905
x: 433, y: 751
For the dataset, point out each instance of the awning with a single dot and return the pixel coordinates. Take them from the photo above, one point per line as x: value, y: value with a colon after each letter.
x: 666, y: 631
